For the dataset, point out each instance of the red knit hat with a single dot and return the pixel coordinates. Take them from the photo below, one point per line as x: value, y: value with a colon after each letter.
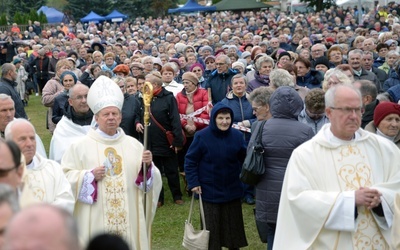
x: 383, y: 109
x: 122, y: 68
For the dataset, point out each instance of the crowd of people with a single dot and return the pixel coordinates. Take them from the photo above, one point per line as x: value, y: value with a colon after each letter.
x: 320, y: 80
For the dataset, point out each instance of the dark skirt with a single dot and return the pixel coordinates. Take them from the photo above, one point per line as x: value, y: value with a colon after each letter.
x: 225, y: 223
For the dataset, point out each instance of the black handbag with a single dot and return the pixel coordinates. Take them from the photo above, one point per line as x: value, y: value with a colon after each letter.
x: 253, y: 167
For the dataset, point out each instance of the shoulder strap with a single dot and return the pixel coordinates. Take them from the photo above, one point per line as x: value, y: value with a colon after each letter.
x: 259, y: 132
x: 157, y: 123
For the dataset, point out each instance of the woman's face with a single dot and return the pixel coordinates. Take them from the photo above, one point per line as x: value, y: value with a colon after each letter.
x: 223, y: 121
x: 265, y: 69
x: 167, y: 76
x: 189, y: 86
x: 68, y: 82
x: 63, y: 69
x: 283, y: 60
x: 197, y: 71
x: 335, y: 57
x: 131, y: 87
x: 239, y: 86
x: 305, y: 54
x: 391, y: 60
x: 260, y: 111
x: 97, y: 58
x: 302, y: 70
x: 390, y: 125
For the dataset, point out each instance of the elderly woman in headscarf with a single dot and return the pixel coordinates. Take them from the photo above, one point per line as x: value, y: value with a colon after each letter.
x: 264, y: 66
x: 52, y: 89
x: 386, y: 122
x: 68, y: 79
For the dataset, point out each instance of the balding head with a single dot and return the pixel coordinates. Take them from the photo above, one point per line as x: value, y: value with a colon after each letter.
x: 42, y: 227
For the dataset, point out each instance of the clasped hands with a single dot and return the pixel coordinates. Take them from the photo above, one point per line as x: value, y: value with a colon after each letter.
x: 368, y: 197
x: 100, y: 172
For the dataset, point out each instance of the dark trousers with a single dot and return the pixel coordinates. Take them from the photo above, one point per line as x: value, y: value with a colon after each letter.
x: 270, y: 235
x: 168, y: 165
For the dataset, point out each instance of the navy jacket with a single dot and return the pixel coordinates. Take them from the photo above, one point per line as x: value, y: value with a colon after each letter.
x: 220, y: 84
x: 281, y: 135
x: 214, y: 161
x: 393, y: 80
x: 313, y: 79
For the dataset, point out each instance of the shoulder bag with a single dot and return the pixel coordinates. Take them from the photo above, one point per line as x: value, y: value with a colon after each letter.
x: 253, y: 167
x: 168, y: 134
x: 196, y: 239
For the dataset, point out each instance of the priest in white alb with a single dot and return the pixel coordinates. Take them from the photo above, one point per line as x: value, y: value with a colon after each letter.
x: 105, y: 172
x: 43, y: 179
x: 339, y: 187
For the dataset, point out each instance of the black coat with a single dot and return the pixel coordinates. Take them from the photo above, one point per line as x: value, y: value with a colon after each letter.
x: 8, y: 87
x: 165, y: 110
x: 130, y: 111
x: 59, y: 106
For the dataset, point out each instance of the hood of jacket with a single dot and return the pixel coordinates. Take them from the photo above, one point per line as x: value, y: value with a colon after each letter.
x: 286, y: 103
x: 214, y: 112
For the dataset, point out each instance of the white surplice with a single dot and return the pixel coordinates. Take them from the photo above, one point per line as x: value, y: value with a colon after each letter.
x: 317, y: 206
x: 44, y: 181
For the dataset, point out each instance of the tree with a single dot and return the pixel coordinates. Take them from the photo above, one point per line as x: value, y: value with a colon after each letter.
x: 25, y: 6
x: 320, y: 4
x: 79, y: 8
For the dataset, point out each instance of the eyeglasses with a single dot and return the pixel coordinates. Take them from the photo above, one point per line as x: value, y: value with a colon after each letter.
x: 317, y: 50
x: 220, y: 64
x: 255, y: 109
x: 349, y: 111
x: 4, y: 172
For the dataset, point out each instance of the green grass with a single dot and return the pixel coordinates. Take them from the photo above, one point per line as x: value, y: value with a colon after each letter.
x: 167, y: 230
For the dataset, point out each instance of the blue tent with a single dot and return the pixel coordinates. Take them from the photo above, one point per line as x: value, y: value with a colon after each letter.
x: 92, y: 17
x: 52, y: 15
x: 192, y: 6
x: 116, y: 16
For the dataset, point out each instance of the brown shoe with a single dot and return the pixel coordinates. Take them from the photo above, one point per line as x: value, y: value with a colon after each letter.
x: 179, y: 202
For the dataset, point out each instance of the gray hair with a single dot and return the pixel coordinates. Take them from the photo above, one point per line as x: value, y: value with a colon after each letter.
x: 239, y: 76
x: 8, y: 196
x: 225, y: 58
x: 155, y: 77
x: 356, y: 51
x: 5, y: 68
x: 264, y: 59
x: 392, y: 53
x: 342, y: 78
x: 72, y: 89
x: 5, y: 97
x: 8, y: 131
x: 281, y: 77
x: 261, y: 95
x: 367, y: 88
x: 331, y: 94
x: 322, y: 46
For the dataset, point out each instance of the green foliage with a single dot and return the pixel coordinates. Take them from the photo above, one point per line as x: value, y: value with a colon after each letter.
x: 42, y: 17
x: 319, y: 5
x: 79, y: 8
x: 3, y: 19
x: 25, y: 6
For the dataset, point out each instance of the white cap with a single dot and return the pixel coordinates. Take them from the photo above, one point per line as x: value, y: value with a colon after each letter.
x: 104, y: 93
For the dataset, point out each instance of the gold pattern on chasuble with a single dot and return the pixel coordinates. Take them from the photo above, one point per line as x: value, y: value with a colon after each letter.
x: 35, y: 185
x: 115, y: 203
x: 354, y: 172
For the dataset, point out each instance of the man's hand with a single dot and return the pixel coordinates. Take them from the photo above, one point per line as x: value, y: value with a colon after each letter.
x: 99, y: 173
x: 196, y: 190
x: 368, y: 197
x: 147, y: 157
x: 139, y: 128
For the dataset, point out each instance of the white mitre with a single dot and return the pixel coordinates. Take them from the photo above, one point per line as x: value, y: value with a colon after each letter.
x: 103, y: 93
